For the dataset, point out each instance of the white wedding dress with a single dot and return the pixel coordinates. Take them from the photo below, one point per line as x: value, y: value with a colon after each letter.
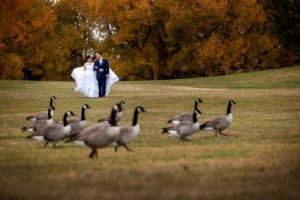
x: 87, y: 83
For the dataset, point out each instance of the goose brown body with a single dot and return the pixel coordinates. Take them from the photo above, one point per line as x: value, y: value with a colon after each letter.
x: 186, y: 116
x: 183, y: 129
x: 44, y: 114
x: 220, y: 123
x: 118, y: 115
x: 129, y: 133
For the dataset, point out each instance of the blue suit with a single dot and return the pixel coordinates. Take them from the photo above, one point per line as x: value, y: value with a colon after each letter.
x: 101, y: 76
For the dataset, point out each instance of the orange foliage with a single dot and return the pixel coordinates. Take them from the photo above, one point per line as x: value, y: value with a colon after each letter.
x: 143, y: 39
x: 24, y: 25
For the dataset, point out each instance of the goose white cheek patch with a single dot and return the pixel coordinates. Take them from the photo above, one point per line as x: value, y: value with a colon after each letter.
x: 30, y: 130
x: 174, y: 133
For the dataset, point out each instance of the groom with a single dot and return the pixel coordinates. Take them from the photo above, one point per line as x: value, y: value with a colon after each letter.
x: 101, y: 67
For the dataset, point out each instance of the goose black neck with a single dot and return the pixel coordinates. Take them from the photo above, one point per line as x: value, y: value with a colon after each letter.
x: 65, y: 119
x: 112, y: 120
x: 195, y: 117
x: 135, y: 117
x: 228, y: 108
x: 82, y: 114
x: 196, y: 105
x: 49, y: 114
x: 51, y: 102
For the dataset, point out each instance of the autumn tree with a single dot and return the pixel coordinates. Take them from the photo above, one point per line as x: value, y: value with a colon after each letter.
x: 24, y: 27
x: 147, y: 39
x: 74, y: 33
x: 284, y: 17
x: 46, y: 38
x: 174, y: 39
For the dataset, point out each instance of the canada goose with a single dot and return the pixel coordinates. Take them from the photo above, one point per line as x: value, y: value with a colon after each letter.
x: 54, y: 132
x: 44, y: 114
x: 186, y: 116
x: 40, y: 124
x: 101, y: 135
x: 118, y: 115
x: 76, y: 124
x: 220, y: 123
x: 128, y: 133
x: 184, y: 129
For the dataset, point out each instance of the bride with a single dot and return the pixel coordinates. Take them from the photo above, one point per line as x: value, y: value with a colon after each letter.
x: 86, y: 81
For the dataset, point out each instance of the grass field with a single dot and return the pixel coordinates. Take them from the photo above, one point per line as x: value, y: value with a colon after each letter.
x: 259, y: 160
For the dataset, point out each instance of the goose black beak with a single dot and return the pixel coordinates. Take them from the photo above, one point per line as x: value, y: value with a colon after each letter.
x: 73, y: 114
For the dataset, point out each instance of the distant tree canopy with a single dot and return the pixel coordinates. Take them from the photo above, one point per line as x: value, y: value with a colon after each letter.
x: 147, y: 39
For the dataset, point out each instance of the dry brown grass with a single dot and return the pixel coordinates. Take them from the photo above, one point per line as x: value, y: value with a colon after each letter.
x: 259, y: 160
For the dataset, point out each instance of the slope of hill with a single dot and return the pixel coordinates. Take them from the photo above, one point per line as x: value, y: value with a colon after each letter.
x: 288, y: 77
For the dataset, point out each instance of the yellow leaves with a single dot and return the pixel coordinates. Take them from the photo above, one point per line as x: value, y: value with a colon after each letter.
x: 142, y: 38
x: 3, y: 46
x: 21, y: 38
x: 11, y: 67
x: 26, y: 30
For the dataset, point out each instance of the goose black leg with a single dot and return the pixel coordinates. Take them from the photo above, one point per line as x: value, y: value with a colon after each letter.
x: 186, y: 140
x: 46, y: 143
x: 54, y: 145
x: 92, y: 153
x: 127, y: 148
x: 223, y: 133
x: 116, y: 148
x: 216, y: 133
x: 96, y: 153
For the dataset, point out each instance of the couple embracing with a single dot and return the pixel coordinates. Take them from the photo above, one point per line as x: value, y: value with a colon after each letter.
x: 94, y: 79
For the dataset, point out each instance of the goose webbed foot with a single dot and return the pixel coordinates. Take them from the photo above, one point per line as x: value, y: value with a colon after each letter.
x: 223, y: 133
x: 127, y: 148
x: 185, y: 140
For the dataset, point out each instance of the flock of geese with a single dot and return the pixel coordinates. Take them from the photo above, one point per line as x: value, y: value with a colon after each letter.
x: 108, y: 133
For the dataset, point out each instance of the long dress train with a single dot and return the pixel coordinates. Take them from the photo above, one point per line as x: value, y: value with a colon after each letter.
x: 87, y: 83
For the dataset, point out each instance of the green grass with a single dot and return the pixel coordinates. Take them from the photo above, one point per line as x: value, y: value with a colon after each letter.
x: 278, y: 78
x: 259, y: 160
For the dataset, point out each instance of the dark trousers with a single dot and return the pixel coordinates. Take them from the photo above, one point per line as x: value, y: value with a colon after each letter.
x: 102, y: 86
